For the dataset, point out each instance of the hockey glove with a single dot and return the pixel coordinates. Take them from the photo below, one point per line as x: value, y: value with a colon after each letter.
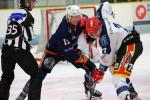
x: 97, y: 75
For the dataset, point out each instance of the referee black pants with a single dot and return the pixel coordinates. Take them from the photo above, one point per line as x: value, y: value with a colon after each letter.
x: 10, y: 56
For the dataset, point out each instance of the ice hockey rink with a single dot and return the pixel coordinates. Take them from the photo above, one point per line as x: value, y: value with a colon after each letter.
x: 66, y: 82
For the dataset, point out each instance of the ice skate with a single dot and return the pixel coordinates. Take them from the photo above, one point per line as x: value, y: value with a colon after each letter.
x: 92, y: 93
x: 134, y: 96
x: 127, y: 97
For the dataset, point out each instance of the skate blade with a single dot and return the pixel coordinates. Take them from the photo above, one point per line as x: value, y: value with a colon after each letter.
x: 137, y: 98
x: 94, y: 98
x: 88, y: 95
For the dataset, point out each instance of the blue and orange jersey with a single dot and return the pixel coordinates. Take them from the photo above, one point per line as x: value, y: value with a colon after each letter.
x: 64, y: 41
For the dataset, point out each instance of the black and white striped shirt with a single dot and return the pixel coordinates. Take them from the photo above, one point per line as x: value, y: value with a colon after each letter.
x: 19, y: 29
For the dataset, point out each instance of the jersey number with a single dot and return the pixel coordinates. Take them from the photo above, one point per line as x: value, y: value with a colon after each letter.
x: 66, y: 42
x: 12, y: 29
x: 104, y: 50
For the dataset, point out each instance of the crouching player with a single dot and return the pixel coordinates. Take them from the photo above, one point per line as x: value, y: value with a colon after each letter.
x: 120, y: 48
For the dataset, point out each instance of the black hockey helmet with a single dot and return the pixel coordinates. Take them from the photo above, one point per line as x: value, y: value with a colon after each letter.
x: 23, y: 5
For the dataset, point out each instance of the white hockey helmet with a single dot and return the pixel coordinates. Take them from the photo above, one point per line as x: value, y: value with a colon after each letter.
x: 73, y: 10
x: 105, y: 10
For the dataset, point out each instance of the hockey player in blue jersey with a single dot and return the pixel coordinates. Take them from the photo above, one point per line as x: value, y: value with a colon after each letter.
x: 63, y: 46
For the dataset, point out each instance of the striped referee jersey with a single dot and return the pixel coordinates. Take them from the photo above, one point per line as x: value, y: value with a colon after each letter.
x: 19, y: 29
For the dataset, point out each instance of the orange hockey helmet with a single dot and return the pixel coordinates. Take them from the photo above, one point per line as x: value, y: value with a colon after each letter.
x: 93, y: 27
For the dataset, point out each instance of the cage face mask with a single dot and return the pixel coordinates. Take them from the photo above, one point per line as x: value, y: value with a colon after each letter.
x: 23, y: 4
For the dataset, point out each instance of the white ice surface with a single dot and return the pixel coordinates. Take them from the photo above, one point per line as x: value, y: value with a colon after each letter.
x: 66, y: 82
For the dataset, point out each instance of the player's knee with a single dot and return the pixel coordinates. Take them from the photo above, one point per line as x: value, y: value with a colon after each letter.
x: 48, y: 64
x: 122, y: 88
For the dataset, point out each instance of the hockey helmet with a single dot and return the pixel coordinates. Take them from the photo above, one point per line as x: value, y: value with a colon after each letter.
x: 105, y: 11
x: 73, y: 10
x: 23, y: 5
x: 93, y: 27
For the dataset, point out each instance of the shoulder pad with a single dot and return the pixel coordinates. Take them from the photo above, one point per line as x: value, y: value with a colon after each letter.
x: 19, y: 15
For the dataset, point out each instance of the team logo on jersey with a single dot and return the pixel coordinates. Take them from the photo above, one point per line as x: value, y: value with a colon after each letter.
x: 105, y: 44
x: 103, y: 40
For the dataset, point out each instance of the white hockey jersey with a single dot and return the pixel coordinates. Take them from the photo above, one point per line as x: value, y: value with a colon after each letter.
x: 111, y: 38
